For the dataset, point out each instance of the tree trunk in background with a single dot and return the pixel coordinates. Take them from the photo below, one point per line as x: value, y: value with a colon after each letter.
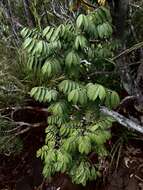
x: 29, y: 17
x: 13, y: 25
x: 120, y: 13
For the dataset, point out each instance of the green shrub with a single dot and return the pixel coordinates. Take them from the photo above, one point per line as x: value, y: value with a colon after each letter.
x: 62, y: 58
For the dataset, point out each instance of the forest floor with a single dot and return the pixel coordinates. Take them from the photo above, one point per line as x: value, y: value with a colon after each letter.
x: 24, y: 171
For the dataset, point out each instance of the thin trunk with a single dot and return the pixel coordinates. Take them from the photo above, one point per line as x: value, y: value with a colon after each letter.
x: 29, y: 16
x: 120, y: 13
x: 13, y: 26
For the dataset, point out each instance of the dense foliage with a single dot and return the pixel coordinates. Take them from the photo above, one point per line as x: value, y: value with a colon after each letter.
x: 63, y: 58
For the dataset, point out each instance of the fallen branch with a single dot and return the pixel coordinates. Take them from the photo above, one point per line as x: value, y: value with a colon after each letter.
x: 122, y: 119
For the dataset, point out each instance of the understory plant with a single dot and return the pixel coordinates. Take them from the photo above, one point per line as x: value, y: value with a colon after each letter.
x: 63, y: 61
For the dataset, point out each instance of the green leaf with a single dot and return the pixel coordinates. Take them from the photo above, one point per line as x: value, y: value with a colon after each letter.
x: 80, y: 42
x: 27, y: 42
x: 51, y: 67
x: 63, y: 161
x: 115, y: 100
x: 98, y: 138
x: 106, y: 13
x: 112, y: 99
x: 78, y: 96
x: 104, y: 30
x: 43, y: 94
x: 93, y: 173
x: 82, y: 22
x: 72, y: 59
x: 84, y: 145
x: 49, y: 34
x: 66, y: 86
x: 94, y: 91
x: 39, y: 152
x: 46, y: 30
x: 102, y: 92
x: 70, y: 144
x: 73, y: 96
x: 58, y: 108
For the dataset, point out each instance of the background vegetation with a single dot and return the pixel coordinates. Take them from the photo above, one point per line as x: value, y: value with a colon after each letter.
x: 71, y: 61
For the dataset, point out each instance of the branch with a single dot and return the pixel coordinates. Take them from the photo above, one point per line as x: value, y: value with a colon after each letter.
x: 18, y: 108
x: 88, y: 4
x: 122, y: 119
x: 127, y: 99
x: 9, y: 90
x: 62, y: 17
x: 21, y: 128
x: 136, y: 6
x: 129, y: 50
x: 103, y: 73
x: 65, y: 12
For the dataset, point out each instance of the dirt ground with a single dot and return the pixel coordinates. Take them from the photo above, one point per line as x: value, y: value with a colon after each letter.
x: 23, y: 172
